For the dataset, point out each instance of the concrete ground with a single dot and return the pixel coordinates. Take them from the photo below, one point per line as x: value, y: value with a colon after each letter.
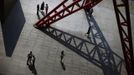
x: 47, y: 48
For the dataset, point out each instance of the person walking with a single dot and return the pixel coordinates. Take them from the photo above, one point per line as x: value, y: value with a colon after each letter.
x: 38, y: 8
x: 62, y: 63
x: 77, y: 3
x: 31, y: 63
x: 88, y: 32
x: 62, y: 55
x: 42, y: 6
x: 29, y: 60
x: 91, y: 11
x: 46, y: 9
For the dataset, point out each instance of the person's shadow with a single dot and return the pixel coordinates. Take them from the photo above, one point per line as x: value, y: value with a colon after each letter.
x: 33, y: 69
x: 42, y: 13
x: 63, y: 66
x: 38, y: 16
x: 32, y: 66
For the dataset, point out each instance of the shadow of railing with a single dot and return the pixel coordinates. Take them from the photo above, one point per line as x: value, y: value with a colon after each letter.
x: 96, y: 50
x: 12, y: 28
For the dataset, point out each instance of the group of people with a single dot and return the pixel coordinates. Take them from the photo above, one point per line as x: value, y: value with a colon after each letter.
x: 31, y: 62
x: 45, y: 6
x: 41, y: 8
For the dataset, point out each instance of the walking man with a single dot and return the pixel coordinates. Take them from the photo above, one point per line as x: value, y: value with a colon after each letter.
x: 38, y: 7
x: 62, y: 64
x: 46, y: 9
x: 31, y: 59
x: 62, y: 55
x: 31, y: 63
x: 88, y: 32
x: 77, y: 3
x: 42, y: 6
x: 91, y: 11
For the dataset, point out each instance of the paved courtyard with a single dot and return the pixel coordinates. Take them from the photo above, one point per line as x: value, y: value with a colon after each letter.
x: 84, y: 55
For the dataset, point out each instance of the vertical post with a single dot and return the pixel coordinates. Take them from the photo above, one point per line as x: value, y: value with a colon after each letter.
x: 124, y: 26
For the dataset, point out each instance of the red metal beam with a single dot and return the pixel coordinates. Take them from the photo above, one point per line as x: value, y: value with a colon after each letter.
x: 67, y: 10
x: 51, y: 12
x: 124, y: 25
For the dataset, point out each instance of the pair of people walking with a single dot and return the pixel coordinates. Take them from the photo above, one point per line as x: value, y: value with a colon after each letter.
x: 41, y: 9
x: 31, y: 62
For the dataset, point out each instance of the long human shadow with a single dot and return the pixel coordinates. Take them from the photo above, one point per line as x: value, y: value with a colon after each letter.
x: 63, y: 65
x: 96, y: 50
x: 12, y: 28
x: 33, y: 69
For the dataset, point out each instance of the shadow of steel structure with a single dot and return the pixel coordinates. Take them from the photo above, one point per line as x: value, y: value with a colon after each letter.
x: 121, y: 8
x: 12, y: 28
x: 96, y: 50
x: 104, y: 50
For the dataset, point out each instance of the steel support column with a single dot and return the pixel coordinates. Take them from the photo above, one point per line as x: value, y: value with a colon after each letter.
x: 124, y: 25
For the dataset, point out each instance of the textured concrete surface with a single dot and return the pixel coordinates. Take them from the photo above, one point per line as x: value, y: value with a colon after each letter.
x: 47, y: 50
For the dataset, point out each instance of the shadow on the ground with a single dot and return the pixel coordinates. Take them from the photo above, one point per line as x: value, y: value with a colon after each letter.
x: 12, y: 28
x: 33, y: 69
x: 96, y: 50
x: 63, y: 65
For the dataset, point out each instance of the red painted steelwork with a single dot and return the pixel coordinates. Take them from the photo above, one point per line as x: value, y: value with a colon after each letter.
x: 67, y: 10
x: 123, y: 22
x: 124, y: 26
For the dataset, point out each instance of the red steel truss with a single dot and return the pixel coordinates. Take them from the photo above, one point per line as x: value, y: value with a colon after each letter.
x: 65, y: 10
x: 123, y: 21
x: 124, y: 26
